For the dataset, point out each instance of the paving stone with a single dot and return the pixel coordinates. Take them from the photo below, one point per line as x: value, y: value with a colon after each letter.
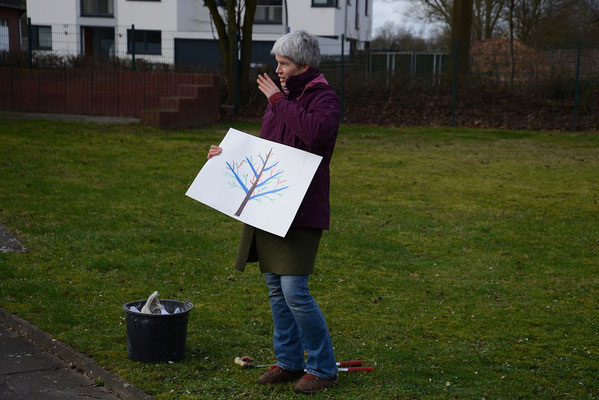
x: 11, y: 344
x: 6, y: 393
x: 9, y: 243
x: 27, y: 372
x: 12, y: 364
x: 47, y: 379
x: 70, y: 394
x: 18, y: 355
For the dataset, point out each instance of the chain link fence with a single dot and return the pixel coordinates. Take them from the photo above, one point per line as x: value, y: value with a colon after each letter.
x: 508, y: 85
x: 539, y: 86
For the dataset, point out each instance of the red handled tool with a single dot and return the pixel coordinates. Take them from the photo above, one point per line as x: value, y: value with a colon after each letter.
x: 356, y: 369
x: 345, y: 366
x: 246, y: 362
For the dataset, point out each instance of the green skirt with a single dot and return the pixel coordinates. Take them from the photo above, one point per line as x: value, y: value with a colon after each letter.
x: 292, y: 255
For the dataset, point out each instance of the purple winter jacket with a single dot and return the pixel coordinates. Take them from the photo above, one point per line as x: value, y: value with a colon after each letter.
x: 308, y: 119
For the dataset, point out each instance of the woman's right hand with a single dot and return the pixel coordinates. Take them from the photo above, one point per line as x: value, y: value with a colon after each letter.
x: 214, y: 151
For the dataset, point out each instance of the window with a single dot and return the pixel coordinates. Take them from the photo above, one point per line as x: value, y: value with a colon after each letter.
x: 366, y: 7
x: 357, y: 14
x: 41, y: 37
x: 5, y: 38
x: 146, y: 42
x: 97, y: 41
x: 144, y: 0
x: 324, y: 3
x: 97, y: 8
x: 269, y: 12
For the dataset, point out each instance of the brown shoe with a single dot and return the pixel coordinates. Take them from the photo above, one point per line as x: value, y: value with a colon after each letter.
x: 311, y: 384
x: 277, y: 374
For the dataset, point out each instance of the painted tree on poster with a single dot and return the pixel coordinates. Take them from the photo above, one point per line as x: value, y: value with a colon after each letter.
x: 259, y: 177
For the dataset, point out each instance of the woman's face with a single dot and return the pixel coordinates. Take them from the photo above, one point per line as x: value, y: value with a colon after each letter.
x: 287, y: 68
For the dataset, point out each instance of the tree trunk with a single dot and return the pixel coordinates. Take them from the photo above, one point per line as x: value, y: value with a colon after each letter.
x: 251, y: 191
x: 222, y: 30
x: 488, y: 19
x: 479, y: 23
x: 512, y: 5
x: 462, y: 33
x: 246, y: 48
x: 230, y: 31
x: 232, y: 38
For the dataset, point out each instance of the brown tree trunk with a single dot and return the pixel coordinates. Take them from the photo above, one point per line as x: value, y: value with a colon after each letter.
x: 488, y: 19
x: 232, y: 38
x: 228, y: 30
x: 251, y: 191
x: 462, y: 33
x: 246, y: 49
x: 512, y: 6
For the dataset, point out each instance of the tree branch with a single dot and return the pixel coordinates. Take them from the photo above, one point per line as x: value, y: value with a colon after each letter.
x: 269, y: 178
x: 269, y: 192
x: 221, y: 28
x: 252, y: 166
x: 245, y: 189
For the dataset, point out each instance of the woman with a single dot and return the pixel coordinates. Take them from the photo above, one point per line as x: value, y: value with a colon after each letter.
x: 303, y: 112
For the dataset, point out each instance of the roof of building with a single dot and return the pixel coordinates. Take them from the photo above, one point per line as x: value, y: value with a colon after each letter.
x: 19, y: 4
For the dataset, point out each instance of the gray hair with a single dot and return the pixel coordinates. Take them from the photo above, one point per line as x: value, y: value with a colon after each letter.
x: 300, y: 46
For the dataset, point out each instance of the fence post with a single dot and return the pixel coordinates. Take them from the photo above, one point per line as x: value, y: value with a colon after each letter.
x: 342, y: 71
x: 453, y: 81
x: 29, y: 42
x: 577, y: 82
x: 133, y: 47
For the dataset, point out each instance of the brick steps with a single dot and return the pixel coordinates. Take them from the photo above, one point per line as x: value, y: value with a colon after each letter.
x: 193, y: 105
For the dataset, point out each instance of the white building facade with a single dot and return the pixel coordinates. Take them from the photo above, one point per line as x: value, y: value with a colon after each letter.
x: 181, y: 31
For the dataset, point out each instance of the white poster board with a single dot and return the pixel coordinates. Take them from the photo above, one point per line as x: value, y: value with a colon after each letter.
x: 256, y: 181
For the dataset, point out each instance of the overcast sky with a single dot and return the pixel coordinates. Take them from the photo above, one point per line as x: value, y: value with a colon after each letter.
x: 393, y: 10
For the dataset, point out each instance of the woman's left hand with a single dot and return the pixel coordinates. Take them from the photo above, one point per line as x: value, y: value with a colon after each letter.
x: 266, y: 85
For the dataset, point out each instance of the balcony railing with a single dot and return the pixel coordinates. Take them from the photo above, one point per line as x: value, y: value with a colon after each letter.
x: 97, y: 8
x: 269, y: 15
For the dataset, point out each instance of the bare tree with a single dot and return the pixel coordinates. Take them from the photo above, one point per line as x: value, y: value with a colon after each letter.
x: 552, y: 21
x: 532, y: 20
x: 234, y: 21
x: 593, y: 7
x: 434, y: 10
x: 528, y: 15
x: 438, y: 10
x: 461, y: 29
x: 487, y: 14
x: 390, y: 36
x: 511, y: 7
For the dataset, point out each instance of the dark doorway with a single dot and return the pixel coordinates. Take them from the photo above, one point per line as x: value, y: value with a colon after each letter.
x: 198, y: 52
x: 97, y: 41
x: 206, y: 53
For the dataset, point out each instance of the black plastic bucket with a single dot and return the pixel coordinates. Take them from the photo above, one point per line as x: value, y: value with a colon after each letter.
x: 157, y: 338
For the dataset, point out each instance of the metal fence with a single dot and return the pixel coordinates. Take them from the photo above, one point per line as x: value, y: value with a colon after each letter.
x: 62, y: 43
x: 566, y: 71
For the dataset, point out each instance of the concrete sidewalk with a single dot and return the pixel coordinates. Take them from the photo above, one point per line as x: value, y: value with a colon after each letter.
x: 68, y: 117
x: 34, y: 366
x: 28, y: 372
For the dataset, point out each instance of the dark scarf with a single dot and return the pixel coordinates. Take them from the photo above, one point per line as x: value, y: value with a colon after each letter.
x: 297, y: 83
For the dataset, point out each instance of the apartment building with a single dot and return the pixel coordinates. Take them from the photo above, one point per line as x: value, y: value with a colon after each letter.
x: 181, y: 31
x: 10, y: 24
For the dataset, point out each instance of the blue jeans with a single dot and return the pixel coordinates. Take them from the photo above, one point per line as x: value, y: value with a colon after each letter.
x: 299, y: 325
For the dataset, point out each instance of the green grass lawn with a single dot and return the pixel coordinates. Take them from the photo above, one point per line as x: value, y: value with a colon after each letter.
x: 461, y: 263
